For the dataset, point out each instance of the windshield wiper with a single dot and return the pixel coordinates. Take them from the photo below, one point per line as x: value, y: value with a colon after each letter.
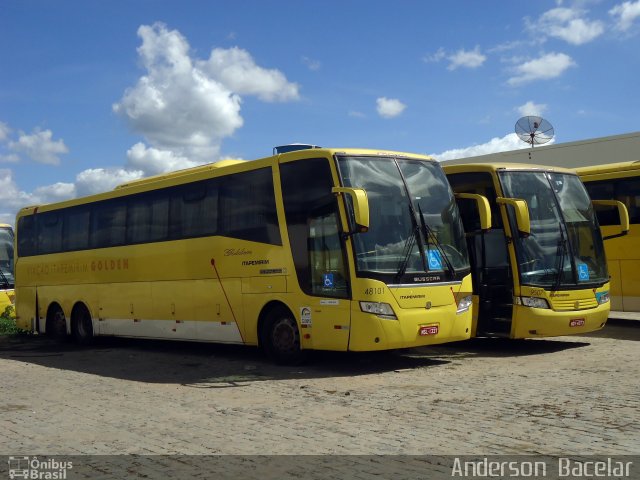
x: 406, y: 253
x: 428, y: 234
x: 561, y: 254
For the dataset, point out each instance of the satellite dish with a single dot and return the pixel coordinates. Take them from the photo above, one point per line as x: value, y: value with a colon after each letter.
x: 534, y: 130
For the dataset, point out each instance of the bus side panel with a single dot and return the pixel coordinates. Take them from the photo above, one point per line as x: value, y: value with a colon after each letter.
x: 122, y: 307
x: 614, y: 280
x: 26, y: 308
x: 630, y: 280
x: 624, y: 268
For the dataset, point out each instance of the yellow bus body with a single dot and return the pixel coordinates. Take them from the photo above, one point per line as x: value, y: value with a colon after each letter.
x: 604, y: 182
x: 222, y: 289
x: 570, y: 311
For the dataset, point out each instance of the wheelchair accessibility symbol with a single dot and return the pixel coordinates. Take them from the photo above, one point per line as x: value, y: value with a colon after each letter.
x: 583, y: 271
x: 435, y: 260
x: 327, y: 280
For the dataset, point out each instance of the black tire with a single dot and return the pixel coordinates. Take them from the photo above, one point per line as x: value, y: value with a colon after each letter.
x: 281, y: 337
x: 56, y: 324
x: 82, y: 326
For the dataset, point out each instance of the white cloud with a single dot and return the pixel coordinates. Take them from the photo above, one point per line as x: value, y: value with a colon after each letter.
x: 435, y: 57
x: 356, y: 114
x: 530, y: 108
x: 9, y: 158
x: 40, y: 146
x: 185, y: 107
x: 311, y: 64
x: 4, y: 131
x: 236, y: 69
x: 547, y: 66
x: 153, y: 161
x: 11, y: 197
x: 97, y: 180
x: 495, y: 145
x: 389, y: 107
x: 466, y: 58
x: 55, y: 193
x: 625, y: 14
x: 567, y: 24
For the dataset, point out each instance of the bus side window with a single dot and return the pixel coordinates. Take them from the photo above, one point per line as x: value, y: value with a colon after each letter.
x: 108, y: 224
x: 49, y: 232
x: 76, y: 229
x: 27, y: 236
x: 603, y: 191
x: 628, y: 192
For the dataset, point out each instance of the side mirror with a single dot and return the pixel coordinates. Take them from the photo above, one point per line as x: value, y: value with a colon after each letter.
x: 360, y: 206
x: 623, y: 213
x: 484, y: 210
x: 522, y: 213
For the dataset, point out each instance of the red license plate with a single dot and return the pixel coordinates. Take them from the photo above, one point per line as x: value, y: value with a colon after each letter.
x: 428, y: 330
x: 576, y: 322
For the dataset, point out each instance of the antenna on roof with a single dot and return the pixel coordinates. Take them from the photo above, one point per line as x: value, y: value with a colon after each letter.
x: 534, y: 130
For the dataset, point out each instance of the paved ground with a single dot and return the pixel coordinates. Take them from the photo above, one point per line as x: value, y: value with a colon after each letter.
x: 565, y: 396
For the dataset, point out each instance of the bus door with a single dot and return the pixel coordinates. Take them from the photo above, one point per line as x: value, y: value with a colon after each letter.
x: 318, y: 250
x: 489, y: 255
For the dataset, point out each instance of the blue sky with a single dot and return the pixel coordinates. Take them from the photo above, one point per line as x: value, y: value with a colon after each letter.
x: 94, y: 93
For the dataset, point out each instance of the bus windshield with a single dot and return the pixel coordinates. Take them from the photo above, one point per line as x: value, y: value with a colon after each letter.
x: 564, y: 248
x: 6, y: 258
x: 414, y: 227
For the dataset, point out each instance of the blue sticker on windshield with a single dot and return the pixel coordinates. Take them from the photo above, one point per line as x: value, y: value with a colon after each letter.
x: 327, y: 280
x: 435, y: 260
x: 583, y: 272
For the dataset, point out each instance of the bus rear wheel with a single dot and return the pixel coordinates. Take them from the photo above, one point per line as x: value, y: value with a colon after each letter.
x: 281, y: 338
x: 81, y: 325
x: 56, y: 324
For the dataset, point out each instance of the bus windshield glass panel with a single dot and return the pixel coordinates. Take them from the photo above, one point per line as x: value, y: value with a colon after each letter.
x: 415, y: 231
x: 565, y: 247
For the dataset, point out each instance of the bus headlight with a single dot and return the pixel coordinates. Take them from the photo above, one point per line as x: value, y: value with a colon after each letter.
x: 464, y: 304
x: 602, y: 297
x: 383, y: 310
x: 533, y: 302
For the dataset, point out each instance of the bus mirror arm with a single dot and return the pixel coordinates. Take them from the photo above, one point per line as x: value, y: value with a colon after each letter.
x: 484, y: 210
x: 360, y: 204
x: 522, y: 214
x: 623, y: 214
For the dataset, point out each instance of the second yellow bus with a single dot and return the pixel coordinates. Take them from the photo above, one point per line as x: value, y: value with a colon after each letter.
x: 540, y: 270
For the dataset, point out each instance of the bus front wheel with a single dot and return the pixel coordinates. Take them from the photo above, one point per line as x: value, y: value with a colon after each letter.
x: 281, y: 337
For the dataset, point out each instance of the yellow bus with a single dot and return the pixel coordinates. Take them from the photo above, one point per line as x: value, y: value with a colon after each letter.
x: 540, y: 270
x: 312, y: 249
x: 6, y: 270
x: 619, y: 181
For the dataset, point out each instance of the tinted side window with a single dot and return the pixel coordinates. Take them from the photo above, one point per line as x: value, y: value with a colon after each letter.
x: 194, y: 210
x: 625, y: 190
x: 26, y: 235
x: 248, y: 207
x: 76, y: 228
x: 628, y: 192
x: 49, y: 232
x: 480, y: 183
x: 148, y: 217
x: 108, y: 224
